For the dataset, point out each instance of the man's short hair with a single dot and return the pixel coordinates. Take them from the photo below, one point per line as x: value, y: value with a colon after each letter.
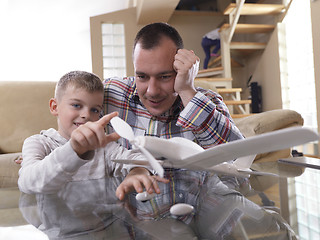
x: 151, y: 35
x: 79, y: 79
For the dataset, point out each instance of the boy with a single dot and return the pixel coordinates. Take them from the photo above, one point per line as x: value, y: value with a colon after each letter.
x: 80, y: 149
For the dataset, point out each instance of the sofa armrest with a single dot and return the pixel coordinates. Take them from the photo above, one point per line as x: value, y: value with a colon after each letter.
x: 268, y: 121
x: 9, y: 170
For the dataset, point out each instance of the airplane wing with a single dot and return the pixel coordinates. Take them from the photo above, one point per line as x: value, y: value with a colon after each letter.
x: 183, y: 153
x: 134, y: 162
x: 175, y: 149
x: 266, y: 142
x: 252, y: 172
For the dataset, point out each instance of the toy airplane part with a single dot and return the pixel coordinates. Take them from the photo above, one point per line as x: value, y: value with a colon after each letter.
x: 180, y: 152
x: 125, y: 131
x: 181, y: 209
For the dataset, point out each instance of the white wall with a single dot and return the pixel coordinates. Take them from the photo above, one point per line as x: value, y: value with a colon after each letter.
x: 44, y: 39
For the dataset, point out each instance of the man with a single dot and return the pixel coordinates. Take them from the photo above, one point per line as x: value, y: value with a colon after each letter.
x: 162, y: 101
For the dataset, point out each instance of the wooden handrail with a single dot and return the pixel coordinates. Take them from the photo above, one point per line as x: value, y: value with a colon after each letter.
x: 235, y: 19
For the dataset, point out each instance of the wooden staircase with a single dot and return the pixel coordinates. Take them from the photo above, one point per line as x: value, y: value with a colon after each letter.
x: 222, y: 66
x: 232, y: 98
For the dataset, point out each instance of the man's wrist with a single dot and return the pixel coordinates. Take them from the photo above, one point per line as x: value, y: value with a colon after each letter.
x: 187, y: 95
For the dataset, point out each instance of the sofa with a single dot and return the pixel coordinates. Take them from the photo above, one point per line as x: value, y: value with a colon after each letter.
x: 25, y: 111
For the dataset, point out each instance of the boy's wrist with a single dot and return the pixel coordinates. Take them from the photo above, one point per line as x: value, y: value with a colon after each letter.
x: 88, y: 155
x: 139, y: 170
x: 84, y: 154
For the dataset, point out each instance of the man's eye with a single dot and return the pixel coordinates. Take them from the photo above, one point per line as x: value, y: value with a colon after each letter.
x: 141, y: 77
x: 166, y: 77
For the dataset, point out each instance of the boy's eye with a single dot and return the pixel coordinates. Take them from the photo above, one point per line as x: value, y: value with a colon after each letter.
x: 75, y: 105
x: 95, y: 110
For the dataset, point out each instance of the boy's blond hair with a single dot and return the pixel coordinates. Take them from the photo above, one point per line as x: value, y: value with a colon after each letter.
x: 79, y: 79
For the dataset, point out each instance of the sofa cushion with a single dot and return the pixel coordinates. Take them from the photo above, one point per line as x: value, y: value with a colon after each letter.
x: 268, y: 121
x: 24, y: 112
x: 9, y: 170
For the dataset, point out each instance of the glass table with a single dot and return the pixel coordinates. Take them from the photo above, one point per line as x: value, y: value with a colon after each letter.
x: 90, y: 210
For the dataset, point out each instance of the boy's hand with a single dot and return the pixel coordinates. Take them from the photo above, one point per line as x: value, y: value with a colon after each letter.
x: 91, y: 135
x: 139, y: 179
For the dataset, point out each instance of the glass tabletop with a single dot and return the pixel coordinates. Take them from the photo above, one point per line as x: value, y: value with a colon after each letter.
x: 90, y: 210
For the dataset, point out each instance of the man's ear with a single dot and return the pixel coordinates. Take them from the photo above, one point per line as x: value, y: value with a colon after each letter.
x: 53, y: 106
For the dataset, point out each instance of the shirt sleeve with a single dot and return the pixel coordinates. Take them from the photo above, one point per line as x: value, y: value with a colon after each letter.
x: 41, y: 172
x: 207, y: 116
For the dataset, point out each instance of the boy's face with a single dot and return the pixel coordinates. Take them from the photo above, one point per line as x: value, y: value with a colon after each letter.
x: 75, y: 107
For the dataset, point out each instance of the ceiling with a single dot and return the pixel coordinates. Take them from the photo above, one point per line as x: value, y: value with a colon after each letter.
x: 161, y: 10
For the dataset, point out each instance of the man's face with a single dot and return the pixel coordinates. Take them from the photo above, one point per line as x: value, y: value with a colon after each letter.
x: 155, y: 76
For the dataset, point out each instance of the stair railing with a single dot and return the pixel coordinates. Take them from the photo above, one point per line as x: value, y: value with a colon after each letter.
x: 225, y: 38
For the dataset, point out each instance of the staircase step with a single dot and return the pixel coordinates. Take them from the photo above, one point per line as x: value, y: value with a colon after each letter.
x: 210, y: 72
x: 256, y: 9
x: 247, y: 45
x: 229, y: 90
x: 217, y: 62
x: 250, y: 28
x: 213, y: 83
x: 239, y: 102
x: 213, y: 79
x: 241, y: 115
x: 230, y: 93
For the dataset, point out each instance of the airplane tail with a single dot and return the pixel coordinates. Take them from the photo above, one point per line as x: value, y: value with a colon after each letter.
x: 243, y: 165
x: 244, y: 162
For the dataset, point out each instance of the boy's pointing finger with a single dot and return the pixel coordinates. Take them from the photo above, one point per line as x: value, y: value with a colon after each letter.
x: 106, y: 118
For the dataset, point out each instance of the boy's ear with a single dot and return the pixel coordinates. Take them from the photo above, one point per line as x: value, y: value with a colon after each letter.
x: 53, y: 106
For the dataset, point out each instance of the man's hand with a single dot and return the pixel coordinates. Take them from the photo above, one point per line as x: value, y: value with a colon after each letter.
x: 91, y: 135
x: 138, y: 179
x: 186, y: 64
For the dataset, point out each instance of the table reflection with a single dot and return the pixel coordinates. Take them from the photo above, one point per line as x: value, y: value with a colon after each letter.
x: 90, y: 210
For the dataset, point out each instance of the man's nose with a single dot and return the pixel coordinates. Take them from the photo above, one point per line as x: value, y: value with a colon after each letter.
x: 153, y: 87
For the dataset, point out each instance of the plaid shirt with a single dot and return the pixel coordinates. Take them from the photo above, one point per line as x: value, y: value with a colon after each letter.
x: 205, y: 119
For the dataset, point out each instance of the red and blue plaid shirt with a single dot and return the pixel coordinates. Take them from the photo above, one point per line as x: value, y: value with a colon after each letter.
x: 205, y: 119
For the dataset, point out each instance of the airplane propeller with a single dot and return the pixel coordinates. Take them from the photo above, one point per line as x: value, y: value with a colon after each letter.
x: 125, y: 131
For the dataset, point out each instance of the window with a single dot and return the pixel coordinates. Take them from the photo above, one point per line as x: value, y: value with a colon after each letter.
x: 113, y: 48
x: 298, y: 85
x: 298, y: 93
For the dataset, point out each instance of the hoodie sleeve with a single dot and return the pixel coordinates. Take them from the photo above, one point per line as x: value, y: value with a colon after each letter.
x: 44, y: 170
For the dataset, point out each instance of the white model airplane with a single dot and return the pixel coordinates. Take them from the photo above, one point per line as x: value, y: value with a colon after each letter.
x: 180, y: 152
